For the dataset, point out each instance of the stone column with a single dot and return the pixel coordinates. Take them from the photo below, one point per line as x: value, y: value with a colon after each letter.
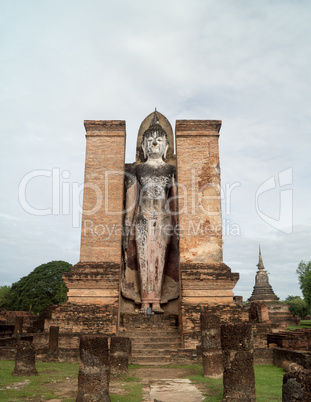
x: 120, y: 352
x: 53, y: 340
x: 93, y: 378
x: 297, y: 386
x: 211, y: 345
x: 238, y: 360
x: 25, y: 360
x: 18, y: 329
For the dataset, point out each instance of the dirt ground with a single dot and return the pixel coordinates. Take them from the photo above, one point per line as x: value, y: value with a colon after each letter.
x: 149, y: 376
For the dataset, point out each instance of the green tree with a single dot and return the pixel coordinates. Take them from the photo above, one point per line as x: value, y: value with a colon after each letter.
x: 4, y: 295
x: 297, y: 306
x: 42, y: 287
x: 304, y: 277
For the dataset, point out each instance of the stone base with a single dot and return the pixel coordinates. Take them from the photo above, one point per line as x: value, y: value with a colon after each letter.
x: 93, y: 300
x: 88, y: 319
x: 205, y: 286
x: 93, y: 283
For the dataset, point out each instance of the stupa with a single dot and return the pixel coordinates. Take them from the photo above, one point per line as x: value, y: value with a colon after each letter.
x: 262, y: 290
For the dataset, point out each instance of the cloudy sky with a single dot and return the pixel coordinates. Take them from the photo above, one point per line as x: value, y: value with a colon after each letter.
x: 246, y: 63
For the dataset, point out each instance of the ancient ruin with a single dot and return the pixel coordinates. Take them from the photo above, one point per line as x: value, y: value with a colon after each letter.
x: 120, y: 354
x: 262, y: 290
x: 297, y: 386
x: 151, y: 251
x: 151, y: 239
x: 212, y: 357
x: 265, y: 305
x: 239, y: 376
x: 93, y: 377
x: 25, y: 360
x: 266, y: 314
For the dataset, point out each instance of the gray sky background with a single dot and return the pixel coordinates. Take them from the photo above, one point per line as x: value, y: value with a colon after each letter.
x: 246, y: 63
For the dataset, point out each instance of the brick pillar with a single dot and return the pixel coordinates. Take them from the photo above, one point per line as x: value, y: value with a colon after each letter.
x: 95, y: 279
x: 238, y: 360
x: 211, y: 345
x: 25, y: 360
x: 120, y: 353
x: 205, y: 279
x: 103, y: 191
x: 93, y: 377
x: 199, y: 192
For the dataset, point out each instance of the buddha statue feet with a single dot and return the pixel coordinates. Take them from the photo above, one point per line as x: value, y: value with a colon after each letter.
x: 157, y: 309
x: 143, y: 309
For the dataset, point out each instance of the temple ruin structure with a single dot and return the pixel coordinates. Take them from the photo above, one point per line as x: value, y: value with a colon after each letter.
x: 262, y: 289
x: 151, y: 236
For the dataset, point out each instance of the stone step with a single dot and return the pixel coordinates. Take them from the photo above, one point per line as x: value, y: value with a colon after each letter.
x: 156, y: 345
x: 170, y: 348
x: 152, y: 335
x: 144, y: 331
x: 150, y: 329
x: 151, y: 352
x: 155, y: 342
x: 154, y: 338
x: 152, y: 361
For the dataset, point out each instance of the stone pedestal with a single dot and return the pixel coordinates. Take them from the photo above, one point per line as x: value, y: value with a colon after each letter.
x: 25, y: 360
x: 238, y: 360
x: 93, y: 378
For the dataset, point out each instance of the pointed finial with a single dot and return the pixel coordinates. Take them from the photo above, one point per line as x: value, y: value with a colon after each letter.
x: 155, y: 119
x: 260, y: 262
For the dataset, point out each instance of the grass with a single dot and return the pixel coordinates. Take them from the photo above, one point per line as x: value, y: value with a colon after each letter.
x: 268, y: 384
x: 44, y: 385
x: 131, y: 386
x: 303, y: 324
x: 127, y: 388
x: 269, y: 381
x: 38, y: 386
x: 214, y: 387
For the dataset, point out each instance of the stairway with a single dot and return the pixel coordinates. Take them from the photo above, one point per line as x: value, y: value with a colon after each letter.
x: 153, y: 337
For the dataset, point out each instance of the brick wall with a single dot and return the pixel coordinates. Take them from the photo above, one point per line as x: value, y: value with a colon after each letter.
x: 87, y: 318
